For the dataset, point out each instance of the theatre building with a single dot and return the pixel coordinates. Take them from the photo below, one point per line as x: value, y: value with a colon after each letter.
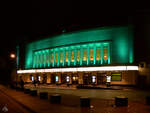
x: 92, y: 56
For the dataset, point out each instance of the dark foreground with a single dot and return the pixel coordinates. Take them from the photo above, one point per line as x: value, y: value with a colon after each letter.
x: 13, y: 101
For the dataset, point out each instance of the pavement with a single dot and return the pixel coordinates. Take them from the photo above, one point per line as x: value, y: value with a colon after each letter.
x: 70, y: 104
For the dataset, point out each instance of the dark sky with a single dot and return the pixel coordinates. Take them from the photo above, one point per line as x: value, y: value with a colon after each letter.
x: 30, y: 21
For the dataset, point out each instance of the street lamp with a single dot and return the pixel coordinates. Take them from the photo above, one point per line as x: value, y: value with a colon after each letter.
x: 12, y: 55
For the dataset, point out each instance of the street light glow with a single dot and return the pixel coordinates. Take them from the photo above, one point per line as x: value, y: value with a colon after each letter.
x: 12, y: 55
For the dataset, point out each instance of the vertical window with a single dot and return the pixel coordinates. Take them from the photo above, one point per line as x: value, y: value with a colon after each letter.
x: 35, y: 59
x: 67, y: 78
x: 91, y: 54
x: 43, y: 58
x: 47, y: 59
x: 72, y: 56
x: 98, y: 54
x: 93, y: 79
x: 78, y: 55
x: 84, y: 55
x: 66, y: 56
x: 39, y: 59
x: 105, y: 57
x: 51, y: 58
x: 56, y: 78
x: 56, y: 57
x: 61, y: 57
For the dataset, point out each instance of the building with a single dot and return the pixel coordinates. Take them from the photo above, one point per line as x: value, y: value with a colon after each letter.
x: 92, y: 56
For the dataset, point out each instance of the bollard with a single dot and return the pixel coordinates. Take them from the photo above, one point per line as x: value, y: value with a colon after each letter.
x: 43, y: 95
x: 55, y: 99
x: 85, y: 102
x: 121, y: 101
x: 27, y: 91
x: 148, y: 100
x: 33, y: 92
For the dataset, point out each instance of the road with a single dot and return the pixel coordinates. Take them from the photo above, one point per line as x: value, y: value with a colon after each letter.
x: 9, y: 105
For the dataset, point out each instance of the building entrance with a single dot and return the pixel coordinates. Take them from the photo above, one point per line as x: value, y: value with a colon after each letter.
x: 64, y: 78
x: 75, y: 79
x: 101, y: 78
x: 87, y: 79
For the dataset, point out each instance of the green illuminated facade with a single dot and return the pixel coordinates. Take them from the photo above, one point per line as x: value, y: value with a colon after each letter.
x: 100, y: 46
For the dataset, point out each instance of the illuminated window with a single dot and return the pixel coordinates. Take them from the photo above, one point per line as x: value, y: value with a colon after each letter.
x: 93, y: 79
x: 78, y: 55
x: 72, y: 56
x: 105, y: 53
x: 61, y: 57
x: 108, y: 78
x: 84, y: 55
x: 56, y: 78
x: 67, y: 79
x: 66, y: 56
x: 43, y: 58
x: 91, y: 54
x: 39, y: 59
x: 56, y: 57
x: 35, y: 59
x: 98, y: 57
x: 32, y: 78
x: 51, y: 58
x: 47, y: 59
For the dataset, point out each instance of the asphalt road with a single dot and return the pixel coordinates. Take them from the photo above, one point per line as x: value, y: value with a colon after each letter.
x: 9, y: 105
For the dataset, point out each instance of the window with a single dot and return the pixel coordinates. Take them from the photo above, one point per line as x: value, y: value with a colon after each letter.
x: 35, y: 59
x: 61, y: 57
x: 43, y: 58
x: 67, y: 79
x: 84, y: 55
x: 91, y: 54
x: 51, y: 58
x: 56, y: 78
x: 78, y: 55
x: 93, y: 79
x: 66, y: 56
x: 98, y: 57
x: 39, y: 59
x: 72, y: 56
x: 32, y: 77
x: 56, y: 57
x: 47, y: 59
x: 116, y: 77
x: 105, y: 53
x: 108, y: 78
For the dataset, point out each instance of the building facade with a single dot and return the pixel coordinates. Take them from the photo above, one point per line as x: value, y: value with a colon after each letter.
x: 93, y: 56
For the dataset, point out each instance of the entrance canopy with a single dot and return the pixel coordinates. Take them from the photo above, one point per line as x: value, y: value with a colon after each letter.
x: 81, y: 69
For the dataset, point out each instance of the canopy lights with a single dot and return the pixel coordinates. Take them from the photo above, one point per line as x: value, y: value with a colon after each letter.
x: 81, y: 69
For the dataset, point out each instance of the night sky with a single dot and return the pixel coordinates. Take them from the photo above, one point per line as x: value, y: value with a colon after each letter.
x: 25, y: 22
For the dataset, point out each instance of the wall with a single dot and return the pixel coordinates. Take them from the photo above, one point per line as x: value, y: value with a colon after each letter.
x: 121, y: 37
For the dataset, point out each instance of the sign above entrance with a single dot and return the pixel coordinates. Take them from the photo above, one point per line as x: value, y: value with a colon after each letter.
x: 81, y: 69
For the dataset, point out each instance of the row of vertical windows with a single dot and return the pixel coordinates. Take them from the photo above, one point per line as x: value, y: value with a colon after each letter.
x: 90, y: 55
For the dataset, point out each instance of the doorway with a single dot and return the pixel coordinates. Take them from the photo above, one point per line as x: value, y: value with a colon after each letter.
x: 101, y: 78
